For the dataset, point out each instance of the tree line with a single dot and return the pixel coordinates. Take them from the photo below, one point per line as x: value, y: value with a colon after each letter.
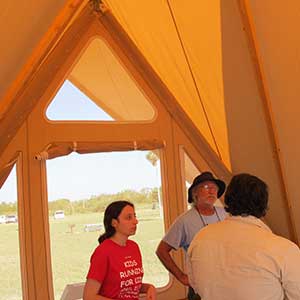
x: 94, y: 203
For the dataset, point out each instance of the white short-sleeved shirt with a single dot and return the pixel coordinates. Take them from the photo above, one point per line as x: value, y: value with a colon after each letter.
x: 241, y: 259
x: 184, y: 228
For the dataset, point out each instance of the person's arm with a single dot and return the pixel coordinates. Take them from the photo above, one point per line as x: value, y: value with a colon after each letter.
x: 163, y: 253
x: 149, y: 290
x: 91, y: 290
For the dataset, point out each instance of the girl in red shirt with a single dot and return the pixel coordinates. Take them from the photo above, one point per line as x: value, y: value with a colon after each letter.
x: 116, y: 270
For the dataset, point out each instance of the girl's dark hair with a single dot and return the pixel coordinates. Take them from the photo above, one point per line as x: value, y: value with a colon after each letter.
x: 246, y: 195
x: 112, y: 211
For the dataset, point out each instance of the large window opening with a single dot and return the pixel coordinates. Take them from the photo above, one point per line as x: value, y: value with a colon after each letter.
x: 10, y: 280
x: 79, y: 189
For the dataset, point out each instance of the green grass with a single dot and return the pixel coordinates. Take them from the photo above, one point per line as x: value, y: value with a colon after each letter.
x: 71, y: 251
x: 10, y: 280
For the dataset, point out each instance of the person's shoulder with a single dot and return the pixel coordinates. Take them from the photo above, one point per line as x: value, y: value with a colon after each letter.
x: 187, y: 214
x: 99, y: 251
x: 132, y: 243
x: 184, y: 217
x: 287, y: 251
x: 284, y: 243
x: 104, y: 247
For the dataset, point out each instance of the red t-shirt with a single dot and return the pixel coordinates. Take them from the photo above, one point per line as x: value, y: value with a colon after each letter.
x: 118, y: 268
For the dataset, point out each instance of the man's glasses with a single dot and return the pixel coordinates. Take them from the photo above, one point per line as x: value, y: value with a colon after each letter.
x: 211, y: 187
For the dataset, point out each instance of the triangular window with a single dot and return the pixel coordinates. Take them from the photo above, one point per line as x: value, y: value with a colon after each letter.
x: 99, y: 88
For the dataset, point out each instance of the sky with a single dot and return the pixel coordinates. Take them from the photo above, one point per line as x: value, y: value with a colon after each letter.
x: 71, y: 104
x: 81, y: 176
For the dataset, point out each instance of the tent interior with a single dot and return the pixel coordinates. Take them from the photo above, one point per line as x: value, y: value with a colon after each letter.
x: 209, y: 85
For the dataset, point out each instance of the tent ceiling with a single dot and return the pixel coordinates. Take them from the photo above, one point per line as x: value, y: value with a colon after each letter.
x: 23, y: 25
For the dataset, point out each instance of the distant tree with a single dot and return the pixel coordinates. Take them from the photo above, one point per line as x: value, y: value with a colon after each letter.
x: 100, y: 202
x: 154, y: 195
x: 152, y: 158
x: 8, y: 208
x: 60, y: 204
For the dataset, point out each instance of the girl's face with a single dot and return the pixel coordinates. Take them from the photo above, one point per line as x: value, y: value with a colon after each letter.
x: 126, y: 222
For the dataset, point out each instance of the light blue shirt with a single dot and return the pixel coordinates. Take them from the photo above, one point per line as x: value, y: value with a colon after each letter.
x: 185, y: 227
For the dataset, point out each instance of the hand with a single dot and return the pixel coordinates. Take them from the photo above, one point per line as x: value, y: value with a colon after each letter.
x: 151, y: 292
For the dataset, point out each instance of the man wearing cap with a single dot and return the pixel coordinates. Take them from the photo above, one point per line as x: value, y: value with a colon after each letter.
x: 202, y: 194
x: 240, y: 258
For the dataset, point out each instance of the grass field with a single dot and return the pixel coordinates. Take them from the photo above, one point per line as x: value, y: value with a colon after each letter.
x: 71, y: 248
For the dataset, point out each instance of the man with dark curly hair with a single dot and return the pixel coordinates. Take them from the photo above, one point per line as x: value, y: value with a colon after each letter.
x: 240, y: 258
